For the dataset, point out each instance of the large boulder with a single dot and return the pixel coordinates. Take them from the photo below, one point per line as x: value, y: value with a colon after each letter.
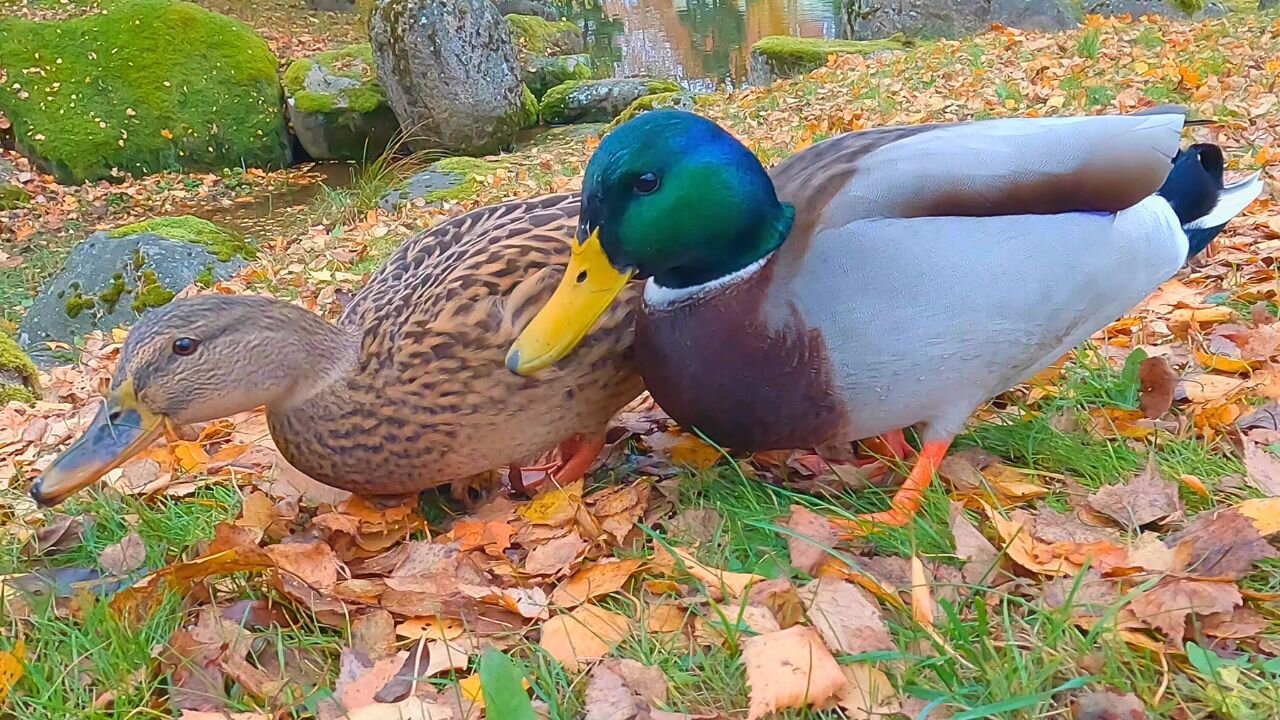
x: 1193, y: 9
x: 113, y: 277
x: 874, y: 19
x: 346, y: 6
x: 141, y: 86
x: 591, y: 101
x: 336, y: 106
x: 679, y: 100
x: 1268, y: 4
x: 543, y: 73
x: 449, y: 70
x: 780, y: 56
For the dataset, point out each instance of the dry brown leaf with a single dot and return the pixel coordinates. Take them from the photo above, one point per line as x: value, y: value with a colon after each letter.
x: 848, y: 620
x: 1145, y: 499
x: 1263, y: 468
x: 921, y: 594
x: 593, y: 581
x: 1219, y: 545
x: 373, y: 633
x: 683, y: 449
x: 717, y: 581
x: 665, y: 618
x: 1023, y: 549
x: 868, y: 693
x: 810, y: 539
x: 1156, y: 381
x: 789, y: 669
x: 314, y: 562
x: 979, y: 555
x: 1107, y: 705
x: 359, y: 681
x: 624, y: 690
x: 555, y: 556
x: 411, y: 708
x: 1263, y: 513
x: 124, y: 556
x: 1210, y: 388
x: 587, y: 633
x: 1167, y: 606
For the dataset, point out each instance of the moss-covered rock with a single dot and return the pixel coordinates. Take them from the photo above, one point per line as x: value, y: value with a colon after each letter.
x: 19, y: 380
x: 337, y: 107
x: 535, y: 36
x: 779, y: 56
x: 142, y: 86
x: 450, y: 179
x: 681, y: 100
x: 115, y: 276
x: 598, y: 100
x: 220, y: 242
x: 543, y: 73
x: 13, y: 196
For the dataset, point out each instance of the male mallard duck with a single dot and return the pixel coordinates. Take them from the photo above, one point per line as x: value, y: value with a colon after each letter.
x: 406, y: 391
x: 877, y: 280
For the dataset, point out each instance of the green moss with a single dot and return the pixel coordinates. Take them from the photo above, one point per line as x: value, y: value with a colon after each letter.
x: 470, y: 169
x: 19, y: 379
x: 1188, y: 7
x: 681, y: 100
x: 537, y: 36
x: 13, y: 197
x: 558, y: 105
x: 364, y: 11
x: 113, y: 292
x: 149, y: 293
x: 353, y: 63
x: 77, y: 303
x: 204, y: 278
x: 544, y: 73
x: 795, y: 56
x: 145, y: 85
x: 221, y: 243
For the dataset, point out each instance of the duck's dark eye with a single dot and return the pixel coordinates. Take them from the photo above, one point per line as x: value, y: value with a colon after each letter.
x: 646, y: 183
x: 185, y: 346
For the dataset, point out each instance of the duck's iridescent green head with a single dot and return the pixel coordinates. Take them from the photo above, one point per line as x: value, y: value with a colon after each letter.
x: 677, y: 198
x: 669, y: 196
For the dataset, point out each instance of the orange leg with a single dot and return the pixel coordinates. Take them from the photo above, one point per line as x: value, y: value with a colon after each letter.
x: 576, y: 455
x: 906, y: 502
x: 890, y: 446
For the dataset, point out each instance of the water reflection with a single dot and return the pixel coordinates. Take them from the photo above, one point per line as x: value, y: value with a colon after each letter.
x: 701, y: 43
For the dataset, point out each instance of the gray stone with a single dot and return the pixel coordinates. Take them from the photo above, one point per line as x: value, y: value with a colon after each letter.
x: 527, y: 7
x: 543, y: 73
x: 101, y: 283
x: 449, y: 71
x: 598, y: 100
x: 347, y: 6
x: 1268, y: 4
x: 1138, y: 8
x: 420, y: 185
x: 336, y: 106
x: 1044, y: 15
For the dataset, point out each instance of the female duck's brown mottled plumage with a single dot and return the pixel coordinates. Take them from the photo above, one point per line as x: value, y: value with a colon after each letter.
x: 408, y: 389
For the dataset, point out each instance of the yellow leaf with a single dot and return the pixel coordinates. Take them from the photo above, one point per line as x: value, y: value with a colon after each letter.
x: 1203, y: 316
x: 789, y: 669
x: 716, y: 580
x: 190, y: 456
x: 593, y: 581
x: 435, y: 628
x: 1264, y: 513
x: 684, y: 449
x: 868, y: 693
x: 554, y: 506
x: 1222, y: 363
x: 11, y: 667
x: 164, y: 133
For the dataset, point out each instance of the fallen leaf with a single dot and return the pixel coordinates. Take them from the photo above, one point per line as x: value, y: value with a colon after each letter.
x: 124, y: 556
x: 359, y: 679
x: 1219, y: 545
x: 1208, y: 388
x: 849, y: 622
x: 623, y: 690
x: 1167, y: 606
x: 810, y: 539
x: 314, y: 562
x: 789, y: 669
x: 554, y: 506
x: 594, y: 581
x: 665, y: 618
x: 1156, y: 383
x: 411, y: 708
x: 979, y: 555
x: 921, y: 594
x: 1264, y: 513
x: 1243, y: 622
x: 867, y: 693
x: 1145, y: 499
x: 1263, y: 468
x: 587, y: 633
x: 555, y: 556
x: 11, y: 667
x: 1107, y: 705
x: 683, y: 449
x: 373, y: 633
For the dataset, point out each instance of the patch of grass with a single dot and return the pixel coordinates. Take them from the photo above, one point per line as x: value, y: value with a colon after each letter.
x: 369, y: 183
x: 1090, y: 44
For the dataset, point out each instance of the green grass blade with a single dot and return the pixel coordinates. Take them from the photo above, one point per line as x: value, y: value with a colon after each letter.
x: 503, y: 689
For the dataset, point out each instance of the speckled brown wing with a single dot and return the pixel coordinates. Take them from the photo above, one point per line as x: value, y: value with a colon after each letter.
x: 432, y: 396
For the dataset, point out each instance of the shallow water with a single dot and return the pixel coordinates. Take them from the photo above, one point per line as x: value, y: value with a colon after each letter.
x: 701, y: 43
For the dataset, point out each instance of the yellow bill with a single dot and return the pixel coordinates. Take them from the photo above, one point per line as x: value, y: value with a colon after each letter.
x: 121, y: 429
x: 588, y: 287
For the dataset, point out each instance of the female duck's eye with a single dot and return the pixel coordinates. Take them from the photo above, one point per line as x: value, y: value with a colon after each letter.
x: 185, y: 346
x: 646, y: 183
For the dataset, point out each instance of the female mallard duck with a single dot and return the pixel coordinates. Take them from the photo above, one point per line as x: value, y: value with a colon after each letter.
x: 877, y: 280
x: 406, y: 391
